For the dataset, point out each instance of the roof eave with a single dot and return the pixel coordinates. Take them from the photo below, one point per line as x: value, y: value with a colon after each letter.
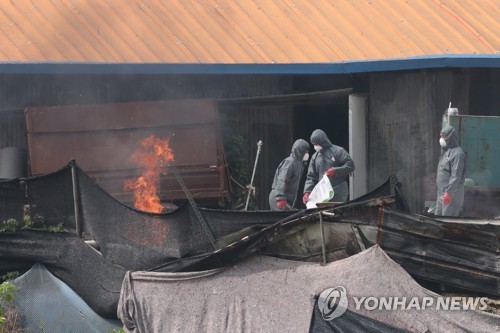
x: 347, y: 67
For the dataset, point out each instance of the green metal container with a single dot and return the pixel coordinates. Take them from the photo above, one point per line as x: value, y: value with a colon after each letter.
x: 479, y: 137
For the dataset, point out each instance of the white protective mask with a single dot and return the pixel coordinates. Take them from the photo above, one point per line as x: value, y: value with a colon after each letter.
x: 317, y: 147
x: 306, y: 157
x: 442, y: 142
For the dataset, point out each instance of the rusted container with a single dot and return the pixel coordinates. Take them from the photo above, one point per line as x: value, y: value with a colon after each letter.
x: 102, y: 138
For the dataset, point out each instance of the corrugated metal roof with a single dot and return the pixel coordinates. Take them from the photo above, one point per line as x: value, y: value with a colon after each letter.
x: 244, y: 32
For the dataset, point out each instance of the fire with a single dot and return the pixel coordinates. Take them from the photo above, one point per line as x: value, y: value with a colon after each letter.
x: 152, y: 155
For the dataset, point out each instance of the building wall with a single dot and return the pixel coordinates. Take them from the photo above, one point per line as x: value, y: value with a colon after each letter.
x: 484, y: 92
x: 12, y: 129
x: 405, y: 112
x: 271, y: 124
x: 18, y: 91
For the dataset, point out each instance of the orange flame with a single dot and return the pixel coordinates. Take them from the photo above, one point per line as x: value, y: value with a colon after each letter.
x: 153, y: 153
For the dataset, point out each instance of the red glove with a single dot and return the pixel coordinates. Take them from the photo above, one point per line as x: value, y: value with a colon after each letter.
x: 330, y: 172
x: 305, y: 197
x: 446, y: 199
x: 281, y: 204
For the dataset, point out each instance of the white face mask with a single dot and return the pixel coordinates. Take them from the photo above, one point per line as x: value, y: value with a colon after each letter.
x: 317, y: 147
x: 306, y: 157
x: 442, y: 142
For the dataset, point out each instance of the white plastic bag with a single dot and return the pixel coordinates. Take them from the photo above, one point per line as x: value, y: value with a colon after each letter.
x: 322, y: 192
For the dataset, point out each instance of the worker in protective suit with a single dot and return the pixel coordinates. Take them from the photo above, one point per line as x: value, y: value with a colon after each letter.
x: 450, y: 174
x: 286, y: 180
x: 332, y: 160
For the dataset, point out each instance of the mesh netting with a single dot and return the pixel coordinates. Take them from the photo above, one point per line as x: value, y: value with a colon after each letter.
x: 11, y: 200
x: 50, y: 197
x: 138, y: 240
x: 77, y: 264
x: 126, y: 236
x: 128, y: 239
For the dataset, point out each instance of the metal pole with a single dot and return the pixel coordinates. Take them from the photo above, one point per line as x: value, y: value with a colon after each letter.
x: 448, y: 114
x: 193, y: 204
x: 259, y: 147
x: 389, y: 150
x: 76, y: 199
x: 323, y: 246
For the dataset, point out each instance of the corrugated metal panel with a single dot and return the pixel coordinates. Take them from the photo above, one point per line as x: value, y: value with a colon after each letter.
x: 12, y: 130
x: 19, y: 91
x: 255, y: 32
x: 273, y: 125
x: 404, y: 129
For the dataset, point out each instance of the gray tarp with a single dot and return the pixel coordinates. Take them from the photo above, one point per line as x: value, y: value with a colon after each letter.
x: 47, y: 304
x: 265, y: 294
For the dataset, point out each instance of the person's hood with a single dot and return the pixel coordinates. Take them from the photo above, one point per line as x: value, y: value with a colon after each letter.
x: 318, y: 137
x: 299, y: 149
x: 450, y: 136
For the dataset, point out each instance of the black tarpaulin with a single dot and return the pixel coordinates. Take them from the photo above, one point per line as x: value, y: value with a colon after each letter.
x: 125, y: 236
x: 128, y: 239
x: 77, y: 264
x: 140, y: 240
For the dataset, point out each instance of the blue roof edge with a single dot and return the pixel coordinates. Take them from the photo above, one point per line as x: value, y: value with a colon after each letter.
x: 347, y: 67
